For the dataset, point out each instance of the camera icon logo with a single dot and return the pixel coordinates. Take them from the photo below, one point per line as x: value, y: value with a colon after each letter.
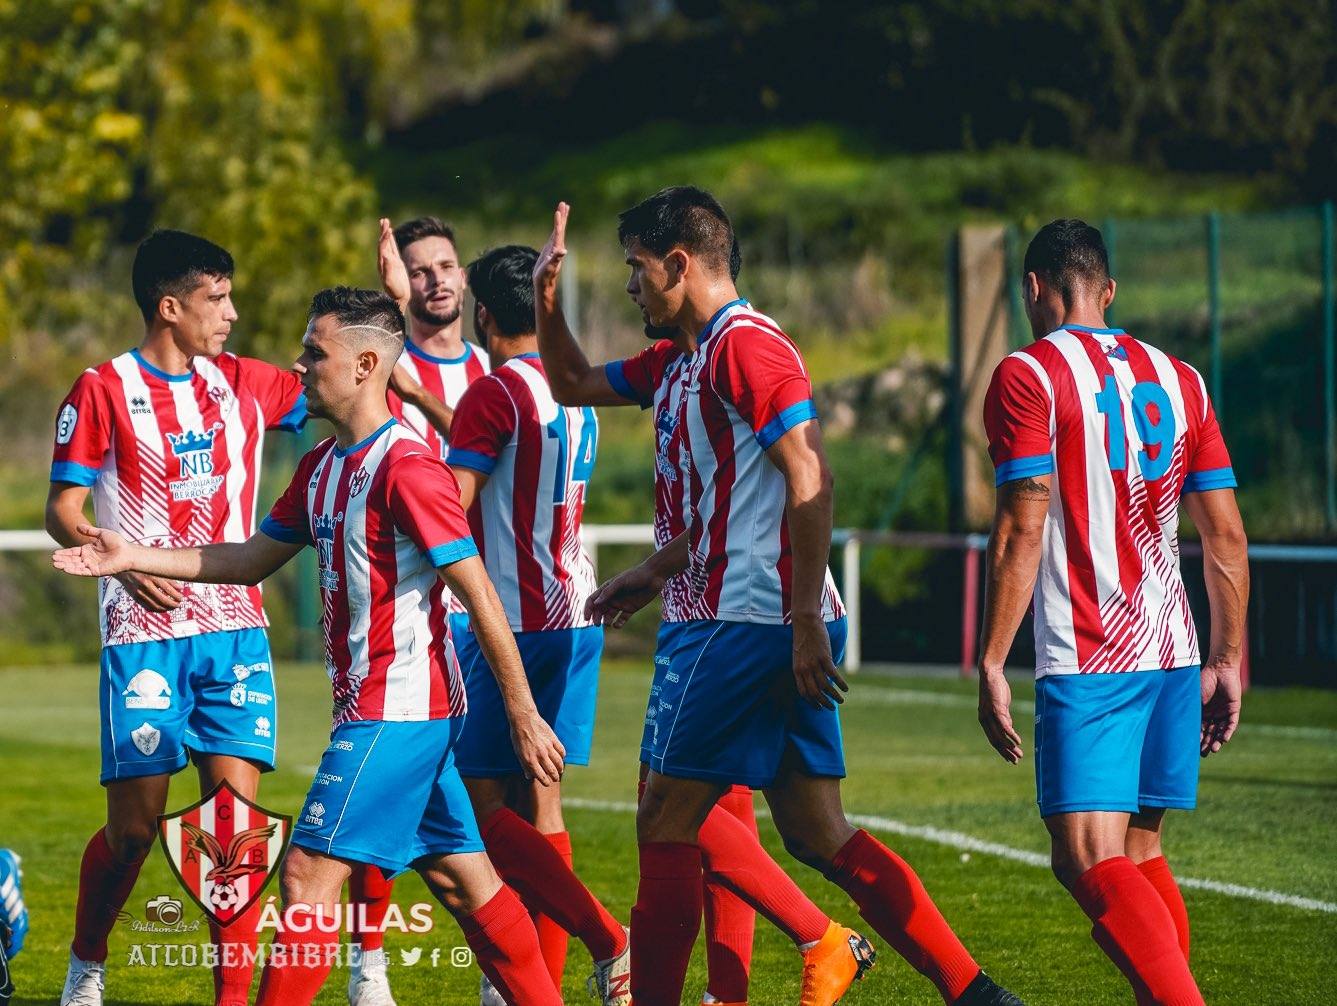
x: 163, y: 909
x: 461, y: 957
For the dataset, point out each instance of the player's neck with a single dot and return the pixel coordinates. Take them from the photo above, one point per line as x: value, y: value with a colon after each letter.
x: 161, y: 352
x: 500, y: 351
x: 445, y: 341
x: 362, y: 421
x: 699, y: 309
x: 1085, y: 315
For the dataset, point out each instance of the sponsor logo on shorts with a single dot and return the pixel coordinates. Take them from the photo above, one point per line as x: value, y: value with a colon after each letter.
x: 146, y: 738
x: 315, y: 813
x: 670, y: 676
x: 243, y: 671
x: 263, y: 727
x: 240, y: 696
x: 342, y: 746
x: 327, y: 778
x: 147, y: 690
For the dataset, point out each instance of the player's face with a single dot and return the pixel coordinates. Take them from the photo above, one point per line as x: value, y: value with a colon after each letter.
x: 436, y: 280
x: 326, y: 367
x: 651, y: 286
x: 202, y: 319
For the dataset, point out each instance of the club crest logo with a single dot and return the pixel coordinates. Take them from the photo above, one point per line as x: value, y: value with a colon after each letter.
x: 219, y: 394
x: 146, y: 738
x: 357, y: 482
x: 224, y: 850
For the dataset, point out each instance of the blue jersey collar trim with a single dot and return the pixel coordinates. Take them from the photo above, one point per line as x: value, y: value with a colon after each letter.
x: 710, y: 325
x: 343, y: 452
x: 1094, y: 331
x: 164, y: 375
x: 424, y: 355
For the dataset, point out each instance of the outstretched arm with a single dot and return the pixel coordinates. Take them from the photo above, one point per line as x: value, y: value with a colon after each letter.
x: 1013, y: 564
x: 1225, y: 557
x: 539, y: 750
x: 572, y: 379
x: 108, y: 554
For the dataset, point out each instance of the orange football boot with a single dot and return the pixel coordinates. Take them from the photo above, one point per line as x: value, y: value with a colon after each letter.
x: 840, y: 957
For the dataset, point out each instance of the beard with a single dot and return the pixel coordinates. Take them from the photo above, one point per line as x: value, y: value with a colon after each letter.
x: 439, y: 319
x: 656, y: 332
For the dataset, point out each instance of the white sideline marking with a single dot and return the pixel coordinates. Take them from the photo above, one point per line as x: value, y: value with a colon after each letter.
x: 968, y: 843
x: 914, y: 697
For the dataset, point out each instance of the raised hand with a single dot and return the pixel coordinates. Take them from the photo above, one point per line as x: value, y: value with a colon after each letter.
x: 1221, y: 690
x: 106, y: 555
x: 540, y: 752
x: 995, y: 714
x: 815, y: 675
x: 394, y: 274
x: 549, y: 264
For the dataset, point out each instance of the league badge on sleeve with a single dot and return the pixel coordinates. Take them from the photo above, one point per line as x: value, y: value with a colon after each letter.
x: 224, y: 850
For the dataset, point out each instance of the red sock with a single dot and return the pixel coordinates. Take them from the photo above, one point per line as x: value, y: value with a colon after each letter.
x: 104, y: 886
x: 664, y: 921
x: 1134, y: 928
x: 1157, y: 872
x: 733, y: 856
x: 730, y: 921
x: 552, y: 937
x: 528, y: 863
x: 507, y: 948
x: 368, y: 886
x: 298, y: 963
x: 893, y: 900
x: 236, y: 957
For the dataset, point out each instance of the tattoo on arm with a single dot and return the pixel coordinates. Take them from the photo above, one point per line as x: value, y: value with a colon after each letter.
x: 1029, y: 489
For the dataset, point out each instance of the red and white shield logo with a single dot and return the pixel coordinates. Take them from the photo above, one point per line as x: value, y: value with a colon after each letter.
x: 224, y: 849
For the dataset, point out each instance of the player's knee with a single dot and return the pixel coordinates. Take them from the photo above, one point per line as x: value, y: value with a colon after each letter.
x: 805, y: 852
x: 130, y: 841
x: 446, y: 887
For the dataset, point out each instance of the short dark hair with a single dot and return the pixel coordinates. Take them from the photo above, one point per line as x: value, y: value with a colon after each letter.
x: 1068, y: 254
x: 423, y: 227
x: 685, y: 216
x: 371, y: 309
x: 171, y: 264
x: 735, y: 260
x: 502, y: 280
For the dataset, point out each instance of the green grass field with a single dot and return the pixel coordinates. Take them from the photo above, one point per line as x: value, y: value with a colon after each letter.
x: 915, y: 757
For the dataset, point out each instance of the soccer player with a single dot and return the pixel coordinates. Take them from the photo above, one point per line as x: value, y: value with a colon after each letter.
x: 524, y: 464
x: 384, y: 515
x: 1097, y: 438
x: 738, y: 872
x: 420, y: 269
x: 168, y: 438
x: 751, y: 689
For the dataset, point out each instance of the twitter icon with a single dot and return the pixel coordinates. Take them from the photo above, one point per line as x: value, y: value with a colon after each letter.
x: 410, y: 957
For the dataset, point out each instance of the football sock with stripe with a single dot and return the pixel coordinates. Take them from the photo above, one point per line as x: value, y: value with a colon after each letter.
x: 553, y: 938
x: 733, y: 856
x: 1136, y: 931
x: 730, y: 921
x: 1157, y: 872
x: 369, y: 887
x: 236, y: 957
x: 299, y: 962
x: 664, y: 921
x: 531, y: 865
x: 104, y: 885
x: 503, y: 940
x: 893, y: 900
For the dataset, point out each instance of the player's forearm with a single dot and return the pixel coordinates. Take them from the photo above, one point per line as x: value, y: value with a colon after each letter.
x: 62, y: 521
x: 1226, y: 575
x: 436, y: 411
x: 1012, y: 567
x: 809, y: 507
x: 670, y: 560
x: 225, y: 562
x: 564, y: 363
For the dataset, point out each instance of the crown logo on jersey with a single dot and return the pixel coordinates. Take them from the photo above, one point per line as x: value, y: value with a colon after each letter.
x: 325, y: 524
x: 189, y: 441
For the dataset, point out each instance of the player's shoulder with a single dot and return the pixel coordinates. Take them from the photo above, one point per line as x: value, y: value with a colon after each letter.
x: 408, y: 450
x: 746, y: 322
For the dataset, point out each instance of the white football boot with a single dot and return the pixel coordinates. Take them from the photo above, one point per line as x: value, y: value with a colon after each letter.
x: 368, y: 984
x: 611, y: 981
x: 84, y: 982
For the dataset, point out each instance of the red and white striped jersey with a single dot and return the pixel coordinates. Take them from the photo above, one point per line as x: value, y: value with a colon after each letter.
x: 173, y: 460
x: 654, y: 378
x: 745, y: 387
x: 1125, y: 429
x: 383, y: 515
x: 446, y: 378
x: 538, y: 458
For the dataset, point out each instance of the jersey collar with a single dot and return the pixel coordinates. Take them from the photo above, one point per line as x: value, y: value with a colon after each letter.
x: 714, y: 318
x: 343, y: 452
x: 423, y: 355
x: 160, y: 374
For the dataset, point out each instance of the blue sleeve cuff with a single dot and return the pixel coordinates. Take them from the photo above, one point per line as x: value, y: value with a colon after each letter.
x: 618, y: 379
x: 451, y: 551
x: 796, y: 414
x: 295, y: 418
x: 72, y: 471
x: 471, y: 459
x: 281, y: 532
x: 1215, y: 478
x: 1023, y: 468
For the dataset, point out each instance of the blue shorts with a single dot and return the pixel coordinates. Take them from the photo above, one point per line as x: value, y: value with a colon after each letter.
x: 1117, y: 742
x: 388, y: 793
x: 459, y: 628
x: 562, y: 666
x: 729, y: 711
x: 212, y: 693
x: 665, y: 643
